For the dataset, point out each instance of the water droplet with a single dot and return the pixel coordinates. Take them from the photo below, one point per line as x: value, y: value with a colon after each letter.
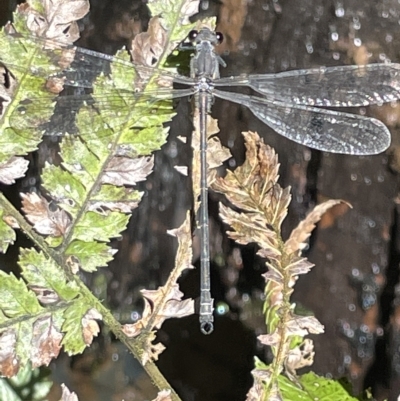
x: 356, y: 24
x: 172, y: 150
x: 135, y: 316
x: 222, y: 308
x: 357, y: 42
x: 284, y: 65
x: 336, y: 56
x: 388, y: 38
x: 205, y: 4
x: 115, y: 357
x: 353, y: 177
x: 307, y: 155
x: 375, y: 268
x: 367, y: 180
x: 339, y: 12
x: 277, y: 8
x: 334, y: 36
x: 352, y: 308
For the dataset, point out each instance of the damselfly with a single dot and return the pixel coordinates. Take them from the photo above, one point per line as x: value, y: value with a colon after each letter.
x: 291, y: 103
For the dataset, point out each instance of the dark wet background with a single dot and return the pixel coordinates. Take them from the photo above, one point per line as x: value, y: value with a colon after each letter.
x: 352, y: 289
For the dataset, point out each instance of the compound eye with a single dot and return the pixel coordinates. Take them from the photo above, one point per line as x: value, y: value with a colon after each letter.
x: 220, y: 37
x: 193, y: 35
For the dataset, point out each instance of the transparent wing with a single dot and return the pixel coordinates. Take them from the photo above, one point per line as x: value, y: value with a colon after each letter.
x: 325, y: 130
x: 115, y: 109
x: 79, y: 66
x: 344, y: 86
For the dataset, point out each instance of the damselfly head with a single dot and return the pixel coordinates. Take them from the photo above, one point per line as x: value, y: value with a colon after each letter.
x: 205, y: 35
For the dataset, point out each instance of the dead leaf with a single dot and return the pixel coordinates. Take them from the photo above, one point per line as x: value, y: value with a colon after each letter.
x: 11, y: 221
x: 55, y: 85
x: 9, y: 364
x: 261, y: 378
x: 274, y: 275
x: 148, y: 47
x: 45, y: 343
x: 212, y: 129
x: 330, y: 217
x: 212, y: 162
x: 73, y: 263
x: 160, y: 304
x: 67, y: 395
x: 278, y: 209
x: 13, y: 169
x: 123, y: 207
x: 57, y: 19
x: 303, y: 325
x: 299, y: 357
x: 44, y: 295
x: 166, y: 302
x: 134, y: 329
x: 164, y: 395
x: 184, y: 254
x: 182, y: 170
x: 216, y: 153
x: 251, y: 227
x: 299, y: 266
x: 151, y: 351
x: 126, y: 171
x: 272, y: 339
x: 253, y: 186
x: 189, y: 8
x: 90, y: 327
x: 45, y: 221
x: 301, y: 233
x: 175, y: 306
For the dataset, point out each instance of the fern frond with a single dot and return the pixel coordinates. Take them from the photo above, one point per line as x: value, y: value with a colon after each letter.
x: 105, y: 152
